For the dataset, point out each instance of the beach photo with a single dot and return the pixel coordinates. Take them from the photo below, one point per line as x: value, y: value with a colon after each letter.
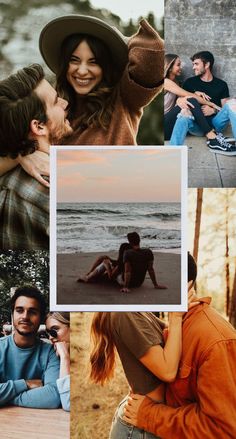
x: 116, y: 227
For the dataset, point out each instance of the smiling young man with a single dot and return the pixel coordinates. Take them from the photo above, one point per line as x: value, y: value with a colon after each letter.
x: 32, y: 117
x: 218, y: 92
x: 201, y: 401
x: 29, y: 367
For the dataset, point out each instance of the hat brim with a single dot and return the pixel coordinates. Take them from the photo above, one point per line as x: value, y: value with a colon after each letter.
x: 57, y: 30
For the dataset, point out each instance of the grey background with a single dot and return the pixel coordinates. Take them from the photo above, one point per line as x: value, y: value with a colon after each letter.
x: 194, y: 25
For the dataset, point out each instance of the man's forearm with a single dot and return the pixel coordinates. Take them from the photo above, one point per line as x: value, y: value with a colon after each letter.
x: 10, y: 390
x: 127, y: 278
x: 42, y: 397
x: 152, y: 276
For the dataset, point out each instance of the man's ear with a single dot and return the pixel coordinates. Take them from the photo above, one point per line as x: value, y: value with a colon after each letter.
x: 38, y: 128
x: 207, y: 65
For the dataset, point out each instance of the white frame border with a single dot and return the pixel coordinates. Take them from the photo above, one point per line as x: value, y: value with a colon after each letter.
x: 53, y: 246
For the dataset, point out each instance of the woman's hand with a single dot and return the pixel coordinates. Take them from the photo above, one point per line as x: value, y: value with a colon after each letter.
x: 62, y: 349
x: 184, y: 103
x: 36, y: 165
x: 132, y: 407
x: 203, y: 95
x: 192, y: 299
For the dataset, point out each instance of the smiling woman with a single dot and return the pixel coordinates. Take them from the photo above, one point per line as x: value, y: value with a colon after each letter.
x: 107, y: 78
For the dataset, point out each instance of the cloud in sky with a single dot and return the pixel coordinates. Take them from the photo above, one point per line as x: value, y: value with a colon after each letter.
x: 119, y: 175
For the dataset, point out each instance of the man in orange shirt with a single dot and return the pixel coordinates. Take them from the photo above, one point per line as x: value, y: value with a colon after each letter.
x: 201, y: 402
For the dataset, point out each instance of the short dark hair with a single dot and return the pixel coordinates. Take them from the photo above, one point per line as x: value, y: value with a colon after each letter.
x: 205, y: 56
x: 34, y: 293
x: 19, y: 105
x: 192, y: 268
x: 133, y: 238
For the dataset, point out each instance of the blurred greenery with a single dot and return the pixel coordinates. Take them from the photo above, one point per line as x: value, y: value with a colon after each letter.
x: 151, y: 127
x: 19, y: 268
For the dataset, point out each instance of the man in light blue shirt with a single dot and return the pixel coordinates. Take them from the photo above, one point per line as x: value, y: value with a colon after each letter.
x: 29, y: 367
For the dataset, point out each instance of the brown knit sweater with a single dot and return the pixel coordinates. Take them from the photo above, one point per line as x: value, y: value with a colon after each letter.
x: 142, y: 80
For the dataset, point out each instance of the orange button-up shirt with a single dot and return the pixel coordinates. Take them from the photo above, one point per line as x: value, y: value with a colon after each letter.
x: 201, y: 402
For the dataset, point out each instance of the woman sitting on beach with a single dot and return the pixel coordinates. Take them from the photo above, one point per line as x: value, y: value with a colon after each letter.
x: 146, y: 360
x: 106, y: 268
x: 190, y: 103
x: 58, y: 329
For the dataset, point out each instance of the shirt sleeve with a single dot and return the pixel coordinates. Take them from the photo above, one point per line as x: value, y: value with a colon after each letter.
x: 46, y: 397
x: 138, y: 332
x: 225, y: 91
x: 63, y: 385
x: 10, y: 390
x: 212, y: 414
x: 144, y: 74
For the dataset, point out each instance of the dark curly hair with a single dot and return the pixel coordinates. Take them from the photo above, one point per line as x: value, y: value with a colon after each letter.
x: 97, y: 107
x: 19, y: 105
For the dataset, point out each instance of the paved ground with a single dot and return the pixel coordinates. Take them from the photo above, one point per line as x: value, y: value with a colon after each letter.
x: 207, y: 169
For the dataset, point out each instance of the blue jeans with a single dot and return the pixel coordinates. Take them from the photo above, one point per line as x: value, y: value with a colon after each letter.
x: 122, y: 430
x: 185, y: 124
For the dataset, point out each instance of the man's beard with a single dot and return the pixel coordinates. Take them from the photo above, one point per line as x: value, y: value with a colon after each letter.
x: 58, y: 136
x: 202, y: 72
x: 26, y: 334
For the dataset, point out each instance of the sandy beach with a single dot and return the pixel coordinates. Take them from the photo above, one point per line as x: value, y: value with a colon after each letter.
x: 70, y: 266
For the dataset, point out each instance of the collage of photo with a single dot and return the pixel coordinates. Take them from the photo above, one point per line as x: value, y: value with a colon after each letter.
x: 118, y: 219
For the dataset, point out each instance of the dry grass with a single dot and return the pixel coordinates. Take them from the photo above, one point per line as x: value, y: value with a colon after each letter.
x: 88, y: 422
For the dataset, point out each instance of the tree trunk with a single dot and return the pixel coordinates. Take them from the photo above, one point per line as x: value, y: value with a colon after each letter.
x: 197, y: 223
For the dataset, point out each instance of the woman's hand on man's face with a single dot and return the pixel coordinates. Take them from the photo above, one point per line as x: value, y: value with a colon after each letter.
x: 36, y: 165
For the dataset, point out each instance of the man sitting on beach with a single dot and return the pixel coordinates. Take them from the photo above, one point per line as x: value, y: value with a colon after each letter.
x: 201, y: 402
x: 137, y: 262
x: 32, y: 117
x: 29, y: 366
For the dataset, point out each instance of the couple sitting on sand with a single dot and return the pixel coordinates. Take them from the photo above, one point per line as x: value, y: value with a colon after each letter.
x: 129, y: 270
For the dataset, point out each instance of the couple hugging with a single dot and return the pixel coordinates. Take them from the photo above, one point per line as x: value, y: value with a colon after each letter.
x: 102, y: 83
x: 129, y: 270
x: 201, y: 107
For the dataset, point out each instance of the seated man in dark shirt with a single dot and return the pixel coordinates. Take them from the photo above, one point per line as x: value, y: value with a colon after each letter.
x: 137, y: 261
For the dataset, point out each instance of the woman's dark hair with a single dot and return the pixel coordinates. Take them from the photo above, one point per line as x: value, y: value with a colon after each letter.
x: 170, y: 59
x: 97, y: 107
x: 192, y: 268
x: 32, y: 292
x: 19, y: 105
x: 123, y: 247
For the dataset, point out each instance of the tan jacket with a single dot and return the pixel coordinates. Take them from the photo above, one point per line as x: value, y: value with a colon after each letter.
x: 140, y: 83
x: 201, y: 402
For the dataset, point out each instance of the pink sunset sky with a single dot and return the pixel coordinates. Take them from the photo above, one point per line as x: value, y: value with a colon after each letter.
x: 150, y: 175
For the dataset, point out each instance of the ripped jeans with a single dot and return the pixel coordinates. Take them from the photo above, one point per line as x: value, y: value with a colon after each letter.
x: 122, y: 430
x: 185, y: 124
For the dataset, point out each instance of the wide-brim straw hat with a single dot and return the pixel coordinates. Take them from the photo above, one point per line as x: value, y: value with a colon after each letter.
x: 57, y: 30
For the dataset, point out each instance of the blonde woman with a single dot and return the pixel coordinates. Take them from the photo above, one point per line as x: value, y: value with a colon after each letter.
x: 58, y: 329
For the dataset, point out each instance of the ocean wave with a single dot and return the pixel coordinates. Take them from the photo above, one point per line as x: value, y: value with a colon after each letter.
x: 84, y: 211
